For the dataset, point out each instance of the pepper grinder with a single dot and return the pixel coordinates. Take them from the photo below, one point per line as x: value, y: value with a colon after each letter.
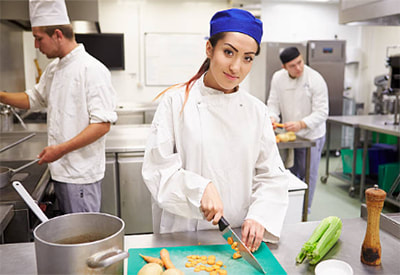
x: 371, y: 247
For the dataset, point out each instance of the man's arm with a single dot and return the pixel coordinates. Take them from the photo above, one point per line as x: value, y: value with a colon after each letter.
x: 19, y: 100
x: 89, y: 135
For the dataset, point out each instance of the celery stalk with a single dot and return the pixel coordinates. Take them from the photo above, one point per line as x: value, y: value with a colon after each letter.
x: 321, y: 240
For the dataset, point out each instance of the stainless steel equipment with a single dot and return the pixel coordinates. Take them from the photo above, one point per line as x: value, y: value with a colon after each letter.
x: 394, y: 84
x: 35, y: 179
x: 89, y: 243
x: 6, y: 173
x: 328, y: 57
x: 6, y: 118
x: 135, y: 197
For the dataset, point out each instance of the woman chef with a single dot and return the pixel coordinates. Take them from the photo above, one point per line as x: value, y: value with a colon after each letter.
x: 212, y: 150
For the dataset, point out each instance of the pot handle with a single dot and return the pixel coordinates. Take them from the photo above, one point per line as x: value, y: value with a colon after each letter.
x: 106, y: 258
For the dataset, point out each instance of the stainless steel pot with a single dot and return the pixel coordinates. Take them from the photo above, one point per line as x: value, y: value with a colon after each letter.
x: 6, y: 173
x: 79, y: 243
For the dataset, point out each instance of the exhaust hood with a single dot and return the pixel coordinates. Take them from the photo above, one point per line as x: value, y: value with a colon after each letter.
x: 370, y: 12
x: 84, y: 14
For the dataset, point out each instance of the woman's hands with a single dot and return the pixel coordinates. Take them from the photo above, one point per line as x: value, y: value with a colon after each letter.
x: 211, y: 204
x: 213, y: 209
x: 252, y: 234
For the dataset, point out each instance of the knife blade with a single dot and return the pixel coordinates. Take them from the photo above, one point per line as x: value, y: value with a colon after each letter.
x: 227, y: 232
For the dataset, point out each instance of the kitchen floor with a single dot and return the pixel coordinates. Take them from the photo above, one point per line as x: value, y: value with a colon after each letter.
x: 332, y: 198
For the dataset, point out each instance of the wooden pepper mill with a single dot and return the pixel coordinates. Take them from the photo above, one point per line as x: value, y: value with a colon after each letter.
x: 371, y: 247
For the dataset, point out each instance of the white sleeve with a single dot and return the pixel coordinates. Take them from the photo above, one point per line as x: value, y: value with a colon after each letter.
x: 175, y: 189
x: 101, y: 97
x: 319, y: 103
x: 273, y: 99
x: 270, y: 187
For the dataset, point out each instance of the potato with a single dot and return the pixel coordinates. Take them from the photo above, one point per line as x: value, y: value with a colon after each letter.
x: 151, y: 269
x: 283, y: 137
x: 291, y: 135
x: 173, y: 271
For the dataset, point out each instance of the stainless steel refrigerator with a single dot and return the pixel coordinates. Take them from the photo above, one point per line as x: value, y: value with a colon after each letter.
x: 325, y: 56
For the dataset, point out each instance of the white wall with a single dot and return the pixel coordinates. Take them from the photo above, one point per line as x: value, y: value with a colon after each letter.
x: 135, y: 18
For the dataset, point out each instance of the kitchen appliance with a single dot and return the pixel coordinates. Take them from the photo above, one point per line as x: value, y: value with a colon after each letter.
x: 325, y: 56
x: 6, y: 118
x: 328, y: 57
x: 79, y: 243
x: 394, y: 84
x: 35, y: 178
x: 227, y: 233
x: 6, y: 173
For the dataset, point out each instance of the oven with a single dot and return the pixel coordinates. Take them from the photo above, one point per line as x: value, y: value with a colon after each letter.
x: 35, y: 179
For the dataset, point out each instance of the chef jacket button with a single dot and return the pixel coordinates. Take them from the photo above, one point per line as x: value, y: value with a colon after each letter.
x: 241, y: 105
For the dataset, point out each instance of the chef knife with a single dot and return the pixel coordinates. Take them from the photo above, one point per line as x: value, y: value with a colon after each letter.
x: 227, y: 232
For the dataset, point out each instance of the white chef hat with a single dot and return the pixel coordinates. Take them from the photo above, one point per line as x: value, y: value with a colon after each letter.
x: 48, y: 13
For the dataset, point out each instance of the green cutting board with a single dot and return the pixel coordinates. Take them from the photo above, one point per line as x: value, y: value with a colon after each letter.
x: 223, y: 252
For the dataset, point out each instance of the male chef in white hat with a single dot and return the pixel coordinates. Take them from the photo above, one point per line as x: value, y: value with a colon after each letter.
x: 80, y: 100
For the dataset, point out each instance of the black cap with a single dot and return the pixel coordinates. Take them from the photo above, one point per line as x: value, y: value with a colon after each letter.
x: 289, y: 54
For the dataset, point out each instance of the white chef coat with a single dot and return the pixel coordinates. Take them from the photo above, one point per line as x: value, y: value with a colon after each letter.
x: 77, y: 91
x: 224, y: 138
x: 304, y: 98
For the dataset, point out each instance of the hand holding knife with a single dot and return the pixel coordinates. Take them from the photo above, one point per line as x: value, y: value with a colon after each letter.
x: 227, y: 232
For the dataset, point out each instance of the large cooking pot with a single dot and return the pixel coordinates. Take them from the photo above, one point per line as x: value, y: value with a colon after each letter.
x: 79, y: 243
x: 6, y: 173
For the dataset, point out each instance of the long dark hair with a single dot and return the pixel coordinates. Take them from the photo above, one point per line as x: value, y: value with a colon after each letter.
x: 203, y: 68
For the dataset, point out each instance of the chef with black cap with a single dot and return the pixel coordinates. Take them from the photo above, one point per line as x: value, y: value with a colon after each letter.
x: 80, y: 100
x: 299, y: 95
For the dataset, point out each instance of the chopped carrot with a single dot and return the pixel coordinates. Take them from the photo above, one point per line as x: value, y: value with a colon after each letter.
x: 230, y: 240
x: 236, y: 255
x: 164, y: 254
x: 150, y: 259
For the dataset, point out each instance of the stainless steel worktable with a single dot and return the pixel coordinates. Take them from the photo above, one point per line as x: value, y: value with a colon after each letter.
x: 361, y: 124
x: 293, y: 236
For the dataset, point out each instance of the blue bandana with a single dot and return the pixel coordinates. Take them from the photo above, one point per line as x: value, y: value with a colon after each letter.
x: 236, y: 20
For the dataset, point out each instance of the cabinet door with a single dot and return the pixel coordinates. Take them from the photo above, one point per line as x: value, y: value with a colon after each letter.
x: 135, y: 197
x: 109, y: 187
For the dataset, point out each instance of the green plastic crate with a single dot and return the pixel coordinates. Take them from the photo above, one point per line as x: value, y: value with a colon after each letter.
x: 383, y: 138
x: 347, y: 160
x: 387, y: 174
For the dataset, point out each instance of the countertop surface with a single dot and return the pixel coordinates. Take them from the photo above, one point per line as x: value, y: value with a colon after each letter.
x: 120, y: 138
x: 293, y: 236
x: 380, y: 123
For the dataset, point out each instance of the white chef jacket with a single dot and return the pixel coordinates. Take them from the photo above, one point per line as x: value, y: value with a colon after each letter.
x: 223, y: 138
x: 77, y: 91
x: 304, y: 98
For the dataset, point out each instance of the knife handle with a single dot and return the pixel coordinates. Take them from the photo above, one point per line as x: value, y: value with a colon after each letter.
x: 222, y: 224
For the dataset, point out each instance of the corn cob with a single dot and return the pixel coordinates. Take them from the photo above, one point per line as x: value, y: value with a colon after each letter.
x: 321, y: 241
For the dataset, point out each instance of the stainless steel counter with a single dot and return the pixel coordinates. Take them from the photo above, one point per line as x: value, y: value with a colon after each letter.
x: 362, y: 125
x: 293, y: 236
x: 120, y: 139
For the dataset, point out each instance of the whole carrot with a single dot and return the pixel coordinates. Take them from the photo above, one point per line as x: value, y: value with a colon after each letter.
x: 150, y: 259
x: 164, y: 254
